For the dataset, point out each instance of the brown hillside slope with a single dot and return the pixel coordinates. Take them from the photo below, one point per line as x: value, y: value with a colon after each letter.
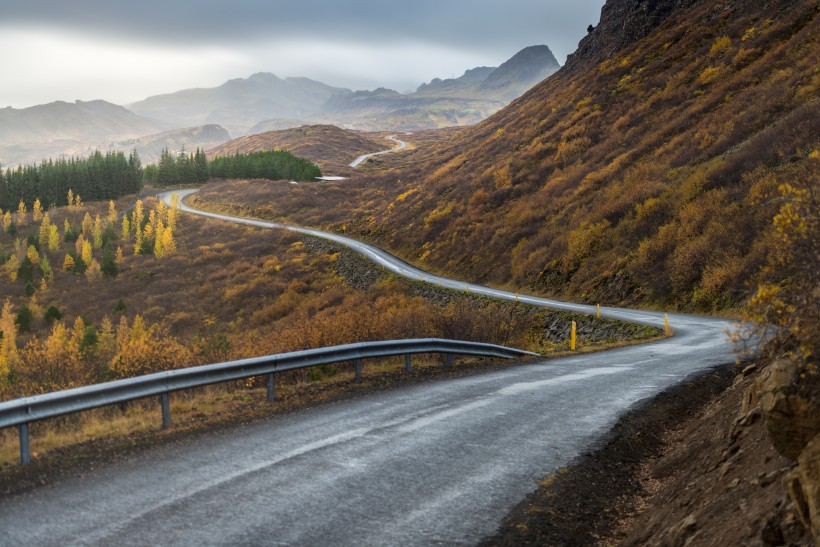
x: 330, y: 146
x: 646, y: 173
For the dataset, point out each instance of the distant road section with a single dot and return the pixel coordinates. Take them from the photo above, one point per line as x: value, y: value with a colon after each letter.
x: 401, y: 146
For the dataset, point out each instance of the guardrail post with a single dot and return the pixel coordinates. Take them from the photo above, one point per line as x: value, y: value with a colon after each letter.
x: 448, y: 359
x: 25, y: 450
x: 358, y: 366
x: 271, y: 386
x: 408, y: 365
x: 166, y: 411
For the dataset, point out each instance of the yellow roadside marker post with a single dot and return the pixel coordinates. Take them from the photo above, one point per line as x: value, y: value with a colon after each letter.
x: 572, y: 338
x: 598, y: 309
x: 667, y: 330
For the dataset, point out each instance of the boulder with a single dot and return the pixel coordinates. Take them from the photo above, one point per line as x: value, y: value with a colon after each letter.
x: 792, y: 418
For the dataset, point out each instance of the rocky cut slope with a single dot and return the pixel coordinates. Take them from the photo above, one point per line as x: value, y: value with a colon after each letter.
x: 647, y: 170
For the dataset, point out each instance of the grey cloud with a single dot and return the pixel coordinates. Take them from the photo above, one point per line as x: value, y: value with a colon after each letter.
x: 501, y: 26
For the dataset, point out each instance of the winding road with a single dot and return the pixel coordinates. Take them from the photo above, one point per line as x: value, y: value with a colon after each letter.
x: 401, y: 146
x: 440, y: 463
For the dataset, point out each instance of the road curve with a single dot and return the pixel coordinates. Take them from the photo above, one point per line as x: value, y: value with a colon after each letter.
x: 420, y: 465
x: 401, y: 146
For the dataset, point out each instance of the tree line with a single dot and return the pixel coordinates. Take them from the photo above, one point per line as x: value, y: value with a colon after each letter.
x: 110, y: 175
x: 100, y: 176
x: 191, y: 168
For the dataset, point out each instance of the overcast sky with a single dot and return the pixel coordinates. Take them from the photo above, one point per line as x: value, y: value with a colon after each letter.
x: 125, y: 51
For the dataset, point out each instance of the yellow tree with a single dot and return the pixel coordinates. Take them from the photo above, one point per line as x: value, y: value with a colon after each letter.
x: 45, y: 225
x: 9, y: 356
x: 53, y: 238
x: 87, y: 225
x: 162, y: 211
x: 77, y: 201
x: 785, y: 312
x: 66, y: 227
x: 6, y: 220
x: 137, y: 242
x: 159, y: 251
x: 32, y: 254
x: 169, y: 245
x: 11, y: 267
x: 37, y: 210
x: 53, y: 364
x: 68, y: 263
x: 77, y: 333
x: 86, y: 253
x: 126, y: 230
x: 118, y: 257
x: 152, y: 219
x: 45, y: 267
x: 97, y: 232
x: 106, y: 340
x: 70, y: 198
x: 22, y: 213
x: 112, y: 212
x: 78, y: 245
x: 137, y: 216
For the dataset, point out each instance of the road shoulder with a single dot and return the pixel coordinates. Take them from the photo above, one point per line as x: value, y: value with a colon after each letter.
x: 681, y: 468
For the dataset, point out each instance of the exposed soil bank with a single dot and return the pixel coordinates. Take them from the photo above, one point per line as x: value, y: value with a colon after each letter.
x: 679, y: 469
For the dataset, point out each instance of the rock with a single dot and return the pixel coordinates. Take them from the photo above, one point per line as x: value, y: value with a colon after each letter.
x: 749, y: 370
x: 751, y: 398
x: 685, y: 530
x: 791, y: 419
x: 809, y: 476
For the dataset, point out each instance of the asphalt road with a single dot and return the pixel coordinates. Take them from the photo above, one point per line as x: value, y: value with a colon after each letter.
x: 428, y: 464
x: 401, y: 146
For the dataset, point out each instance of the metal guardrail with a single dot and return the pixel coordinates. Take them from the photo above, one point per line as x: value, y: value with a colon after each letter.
x: 21, y: 412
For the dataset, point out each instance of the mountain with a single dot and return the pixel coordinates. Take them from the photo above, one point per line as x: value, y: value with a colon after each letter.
x: 28, y: 135
x: 150, y: 147
x: 465, y: 100
x: 464, y: 84
x: 276, y: 124
x: 648, y: 170
x: 241, y: 103
x: 525, y: 69
x: 331, y: 147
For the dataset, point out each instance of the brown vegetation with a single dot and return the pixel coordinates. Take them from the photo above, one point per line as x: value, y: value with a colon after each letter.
x: 331, y: 147
x: 667, y: 156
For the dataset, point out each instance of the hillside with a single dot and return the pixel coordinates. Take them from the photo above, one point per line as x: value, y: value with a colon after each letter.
x: 648, y: 173
x: 331, y: 147
x: 30, y: 134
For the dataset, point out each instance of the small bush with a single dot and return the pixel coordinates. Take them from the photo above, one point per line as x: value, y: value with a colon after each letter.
x: 24, y: 319
x: 53, y: 314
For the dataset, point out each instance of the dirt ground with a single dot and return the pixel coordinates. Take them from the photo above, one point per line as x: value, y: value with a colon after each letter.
x: 682, y: 469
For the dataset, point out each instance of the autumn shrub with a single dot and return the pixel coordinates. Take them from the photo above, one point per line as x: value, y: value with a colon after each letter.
x: 784, y: 313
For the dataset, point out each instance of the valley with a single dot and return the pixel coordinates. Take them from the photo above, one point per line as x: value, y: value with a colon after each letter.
x: 668, y: 171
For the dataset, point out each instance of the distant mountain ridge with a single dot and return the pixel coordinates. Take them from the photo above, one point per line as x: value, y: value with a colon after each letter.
x: 265, y: 102
x: 28, y: 135
x: 189, y: 139
x: 259, y: 103
x: 240, y: 103
x: 73, y: 121
x: 466, y: 100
